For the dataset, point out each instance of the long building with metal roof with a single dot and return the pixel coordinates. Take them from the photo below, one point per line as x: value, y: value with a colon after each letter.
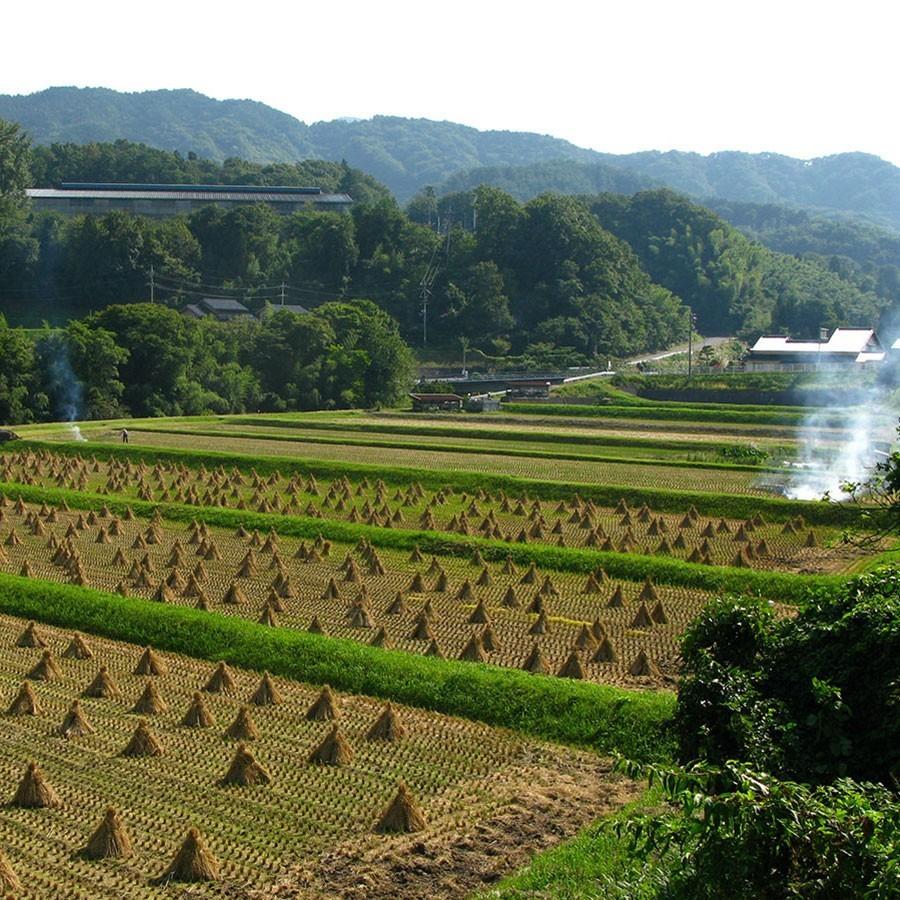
x: 166, y: 200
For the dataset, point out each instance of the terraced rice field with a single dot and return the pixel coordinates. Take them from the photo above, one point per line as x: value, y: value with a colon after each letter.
x: 549, y: 623
x: 459, y: 773
x: 686, y: 535
x: 483, y: 445
x: 319, y: 770
x: 577, y: 471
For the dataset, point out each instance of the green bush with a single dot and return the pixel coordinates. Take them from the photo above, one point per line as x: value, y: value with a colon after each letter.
x: 744, y: 835
x: 812, y: 698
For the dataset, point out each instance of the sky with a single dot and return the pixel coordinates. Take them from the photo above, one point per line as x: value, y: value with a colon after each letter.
x: 802, y: 78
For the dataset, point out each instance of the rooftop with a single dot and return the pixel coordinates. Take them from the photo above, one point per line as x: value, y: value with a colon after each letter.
x: 223, y: 304
x: 846, y: 341
x: 436, y: 398
x: 235, y: 192
x: 206, y: 188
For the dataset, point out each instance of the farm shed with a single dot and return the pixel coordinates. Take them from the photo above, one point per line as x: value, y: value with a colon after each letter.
x: 166, y: 200
x: 528, y: 390
x: 436, y: 402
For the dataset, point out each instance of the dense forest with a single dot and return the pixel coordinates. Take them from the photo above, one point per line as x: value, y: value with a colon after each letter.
x: 846, y: 184
x: 733, y: 285
x: 583, y: 295
x: 863, y: 254
x: 409, y: 154
x: 144, y: 359
x: 555, y: 281
x: 404, y: 154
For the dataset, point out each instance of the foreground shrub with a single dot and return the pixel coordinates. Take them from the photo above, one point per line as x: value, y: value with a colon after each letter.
x: 813, y: 698
x: 748, y: 836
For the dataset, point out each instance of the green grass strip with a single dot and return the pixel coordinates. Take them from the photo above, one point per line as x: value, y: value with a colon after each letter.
x: 456, y: 448
x: 628, y: 566
x: 733, y: 506
x: 636, y: 723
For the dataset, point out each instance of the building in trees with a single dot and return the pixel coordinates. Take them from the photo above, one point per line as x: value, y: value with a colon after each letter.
x: 166, y: 200
x: 224, y: 309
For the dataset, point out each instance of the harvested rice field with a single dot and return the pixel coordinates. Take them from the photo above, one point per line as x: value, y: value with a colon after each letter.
x: 274, y: 777
x: 752, y: 543
x: 433, y: 579
x: 578, y: 471
x: 557, y: 623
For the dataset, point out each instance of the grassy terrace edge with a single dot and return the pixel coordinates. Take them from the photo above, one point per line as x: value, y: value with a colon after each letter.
x: 660, y: 499
x: 629, y: 566
x: 604, y: 718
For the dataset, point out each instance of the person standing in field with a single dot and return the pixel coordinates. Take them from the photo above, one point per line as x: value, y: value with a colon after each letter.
x: 124, y: 435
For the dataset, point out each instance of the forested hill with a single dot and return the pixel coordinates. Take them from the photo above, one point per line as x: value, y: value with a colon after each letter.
x: 405, y: 154
x: 408, y: 154
x: 733, y: 284
x: 855, y: 184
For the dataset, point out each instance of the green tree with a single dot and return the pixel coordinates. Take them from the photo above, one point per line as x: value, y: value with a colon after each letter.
x: 19, y: 398
x: 18, y: 248
x: 361, y: 327
x: 291, y: 354
x: 156, y: 340
x: 322, y: 249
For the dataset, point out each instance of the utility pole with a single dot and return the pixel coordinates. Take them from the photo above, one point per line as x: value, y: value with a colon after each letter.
x: 282, y: 293
x: 152, y: 286
x: 424, y: 294
x: 690, y: 340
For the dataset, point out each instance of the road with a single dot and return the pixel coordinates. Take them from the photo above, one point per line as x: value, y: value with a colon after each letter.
x: 674, y: 351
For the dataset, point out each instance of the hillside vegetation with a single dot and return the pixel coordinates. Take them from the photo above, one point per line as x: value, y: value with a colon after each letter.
x: 408, y: 154
x: 855, y: 184
x: 733, y: 285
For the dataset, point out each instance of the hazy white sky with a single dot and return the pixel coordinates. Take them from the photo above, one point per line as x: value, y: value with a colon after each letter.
x: 796, y: 77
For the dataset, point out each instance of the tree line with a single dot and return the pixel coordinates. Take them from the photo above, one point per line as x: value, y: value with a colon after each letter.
x: 543, y: 278
x: 144, y: 359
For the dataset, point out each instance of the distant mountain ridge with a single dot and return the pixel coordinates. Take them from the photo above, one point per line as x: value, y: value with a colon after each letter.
x: 408, y: 154
x: 855, y: 185
x: 404, y: 154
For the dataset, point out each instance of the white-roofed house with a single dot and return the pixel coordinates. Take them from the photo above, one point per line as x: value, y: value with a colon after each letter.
x: 844, y: 348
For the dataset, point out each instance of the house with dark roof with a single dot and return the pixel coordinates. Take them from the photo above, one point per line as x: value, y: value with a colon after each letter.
x: 224, y: 309
x: 436, y: 402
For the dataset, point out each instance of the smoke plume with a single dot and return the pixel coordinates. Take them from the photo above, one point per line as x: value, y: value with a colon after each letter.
x: 831, y: 457
x: 65, y: 389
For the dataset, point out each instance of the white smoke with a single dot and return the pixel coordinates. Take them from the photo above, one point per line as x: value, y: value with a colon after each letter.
x: 75, y: 431
x: 831, y: 458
